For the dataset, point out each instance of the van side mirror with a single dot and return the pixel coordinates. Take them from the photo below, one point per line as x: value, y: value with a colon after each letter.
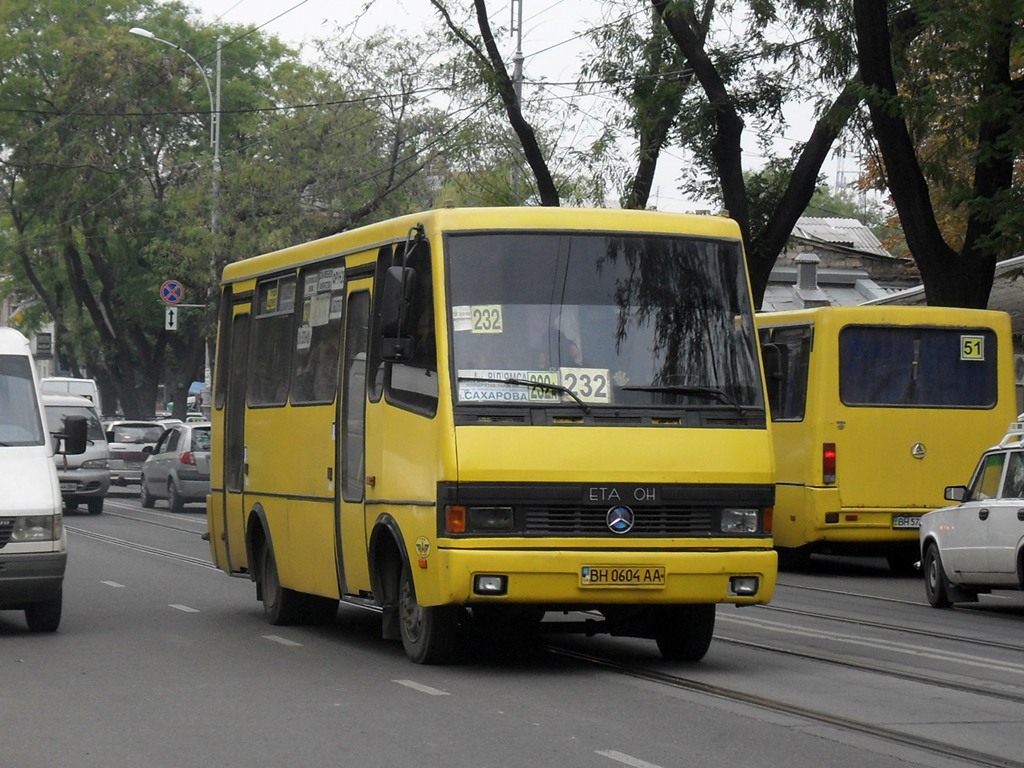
x: 75, y: 436
x: 396, y: 309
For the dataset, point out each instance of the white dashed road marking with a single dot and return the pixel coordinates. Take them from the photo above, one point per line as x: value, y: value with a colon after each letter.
x: 626, y: 759
x: 421, y: 688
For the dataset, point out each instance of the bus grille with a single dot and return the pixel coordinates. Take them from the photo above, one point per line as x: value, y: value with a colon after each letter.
x: 6, y: 529
x: 551, y: 520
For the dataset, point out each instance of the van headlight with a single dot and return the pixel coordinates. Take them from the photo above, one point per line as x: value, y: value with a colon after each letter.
x: 37, y: 528
x: 739, y: 520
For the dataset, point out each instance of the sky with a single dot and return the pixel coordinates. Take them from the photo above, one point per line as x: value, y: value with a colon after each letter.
x: 552, y: 46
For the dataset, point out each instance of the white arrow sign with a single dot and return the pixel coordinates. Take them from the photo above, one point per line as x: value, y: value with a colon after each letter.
x: 171, y: 319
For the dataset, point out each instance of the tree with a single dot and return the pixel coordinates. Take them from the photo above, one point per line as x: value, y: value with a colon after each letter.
x: 105, y: 168
x: 944, y: 91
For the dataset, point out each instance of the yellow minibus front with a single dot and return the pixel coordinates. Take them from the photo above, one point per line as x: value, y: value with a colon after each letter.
x: 540, y: 419
x: 873, y: 409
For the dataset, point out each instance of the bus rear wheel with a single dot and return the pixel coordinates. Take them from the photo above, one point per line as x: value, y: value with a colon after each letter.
x: 683, y: 632
x: 428, y: 633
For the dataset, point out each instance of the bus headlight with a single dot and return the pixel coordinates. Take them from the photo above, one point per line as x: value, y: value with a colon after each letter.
x: 744, y: 586
x: 490, y: 519
x: 460, y: 519
x: 737, y: 520
x: 490, y: 584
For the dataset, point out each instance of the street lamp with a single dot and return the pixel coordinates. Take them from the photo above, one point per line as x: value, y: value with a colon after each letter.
x: 215, y: 187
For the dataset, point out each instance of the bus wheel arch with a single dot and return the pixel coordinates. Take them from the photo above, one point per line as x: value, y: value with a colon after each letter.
x: 281, y: 605
x: 387, y: 555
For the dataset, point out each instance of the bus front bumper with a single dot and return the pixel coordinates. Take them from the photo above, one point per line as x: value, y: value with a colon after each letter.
x: 593, y: 578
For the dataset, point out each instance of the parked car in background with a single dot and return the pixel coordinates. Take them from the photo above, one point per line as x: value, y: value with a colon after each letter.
x: 178, y: 467
x: 127, y: 441
x: 84, y: 477
x: 978, y: 545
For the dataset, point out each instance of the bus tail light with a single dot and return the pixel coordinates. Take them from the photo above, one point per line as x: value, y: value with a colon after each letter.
x: 828, y: 463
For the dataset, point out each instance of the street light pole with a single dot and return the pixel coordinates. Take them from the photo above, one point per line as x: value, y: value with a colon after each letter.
x: 214, y: 96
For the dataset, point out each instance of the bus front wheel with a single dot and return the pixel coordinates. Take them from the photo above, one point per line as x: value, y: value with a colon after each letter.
x: 683, y: 632
x: 428, y: 633
x: 283, y: 606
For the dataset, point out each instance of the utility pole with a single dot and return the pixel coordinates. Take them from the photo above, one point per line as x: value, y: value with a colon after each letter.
x: 517, y: 57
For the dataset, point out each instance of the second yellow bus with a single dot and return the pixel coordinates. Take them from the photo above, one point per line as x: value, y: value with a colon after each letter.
x: 874, y: 409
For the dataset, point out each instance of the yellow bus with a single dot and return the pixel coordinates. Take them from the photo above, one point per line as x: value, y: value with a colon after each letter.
x: 472, y: 418
x: 874, y: 409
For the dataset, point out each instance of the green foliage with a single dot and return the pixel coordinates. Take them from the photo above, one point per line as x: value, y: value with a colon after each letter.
x: 109, y: 186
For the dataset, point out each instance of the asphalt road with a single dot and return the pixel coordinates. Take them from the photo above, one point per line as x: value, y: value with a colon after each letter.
x: 163, y: 661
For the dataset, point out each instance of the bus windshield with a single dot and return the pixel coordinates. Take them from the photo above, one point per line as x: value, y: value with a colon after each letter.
x: 601, y: 319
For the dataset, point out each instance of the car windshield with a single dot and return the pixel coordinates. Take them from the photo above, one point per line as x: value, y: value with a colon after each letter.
x: 643, y: 321
x: 19, y: 408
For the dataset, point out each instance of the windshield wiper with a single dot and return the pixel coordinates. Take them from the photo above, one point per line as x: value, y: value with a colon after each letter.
x: 550, y: 386
x: 678, y: 389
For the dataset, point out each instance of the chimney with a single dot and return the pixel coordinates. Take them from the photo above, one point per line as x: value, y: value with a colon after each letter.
x: 806, y: 292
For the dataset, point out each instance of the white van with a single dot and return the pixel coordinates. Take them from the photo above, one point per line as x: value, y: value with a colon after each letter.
x: 33, y: 544
x: 65, y: 385
x: 85, y: 477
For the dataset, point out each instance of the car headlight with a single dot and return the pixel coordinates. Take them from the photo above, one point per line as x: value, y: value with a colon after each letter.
x: 738, y: 520
x: 94, y: 464
x: 38, y: 528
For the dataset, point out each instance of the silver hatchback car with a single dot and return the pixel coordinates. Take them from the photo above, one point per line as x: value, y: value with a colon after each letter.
x: 178, y: 467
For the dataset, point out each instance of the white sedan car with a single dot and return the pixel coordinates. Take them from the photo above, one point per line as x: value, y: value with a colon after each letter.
x: 978, y: 545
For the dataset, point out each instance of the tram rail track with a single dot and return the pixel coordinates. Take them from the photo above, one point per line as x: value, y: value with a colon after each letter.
x: 934, y: 747
x: 884, y: 734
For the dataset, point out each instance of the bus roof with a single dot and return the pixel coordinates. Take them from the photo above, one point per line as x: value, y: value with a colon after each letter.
x: 476, y: 219
x: 883, y: 314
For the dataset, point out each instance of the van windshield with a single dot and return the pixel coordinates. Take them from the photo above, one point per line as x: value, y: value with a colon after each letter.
x: 19, y: 408
x: 57, y: 414
x: 609, y: 319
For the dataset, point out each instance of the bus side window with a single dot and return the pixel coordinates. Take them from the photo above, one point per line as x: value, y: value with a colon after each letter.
x: 375, y: 361
x: 272, y: 342
x: 787, y: 359
x: 413, y: 383
x: 774, y: 374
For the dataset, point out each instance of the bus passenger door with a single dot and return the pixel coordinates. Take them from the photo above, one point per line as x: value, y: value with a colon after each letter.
x: 234, y: 443
x: 353, y: 574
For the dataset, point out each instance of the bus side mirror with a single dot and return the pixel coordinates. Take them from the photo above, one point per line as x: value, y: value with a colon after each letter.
x: 396, y: 309
x: 75, y: 436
